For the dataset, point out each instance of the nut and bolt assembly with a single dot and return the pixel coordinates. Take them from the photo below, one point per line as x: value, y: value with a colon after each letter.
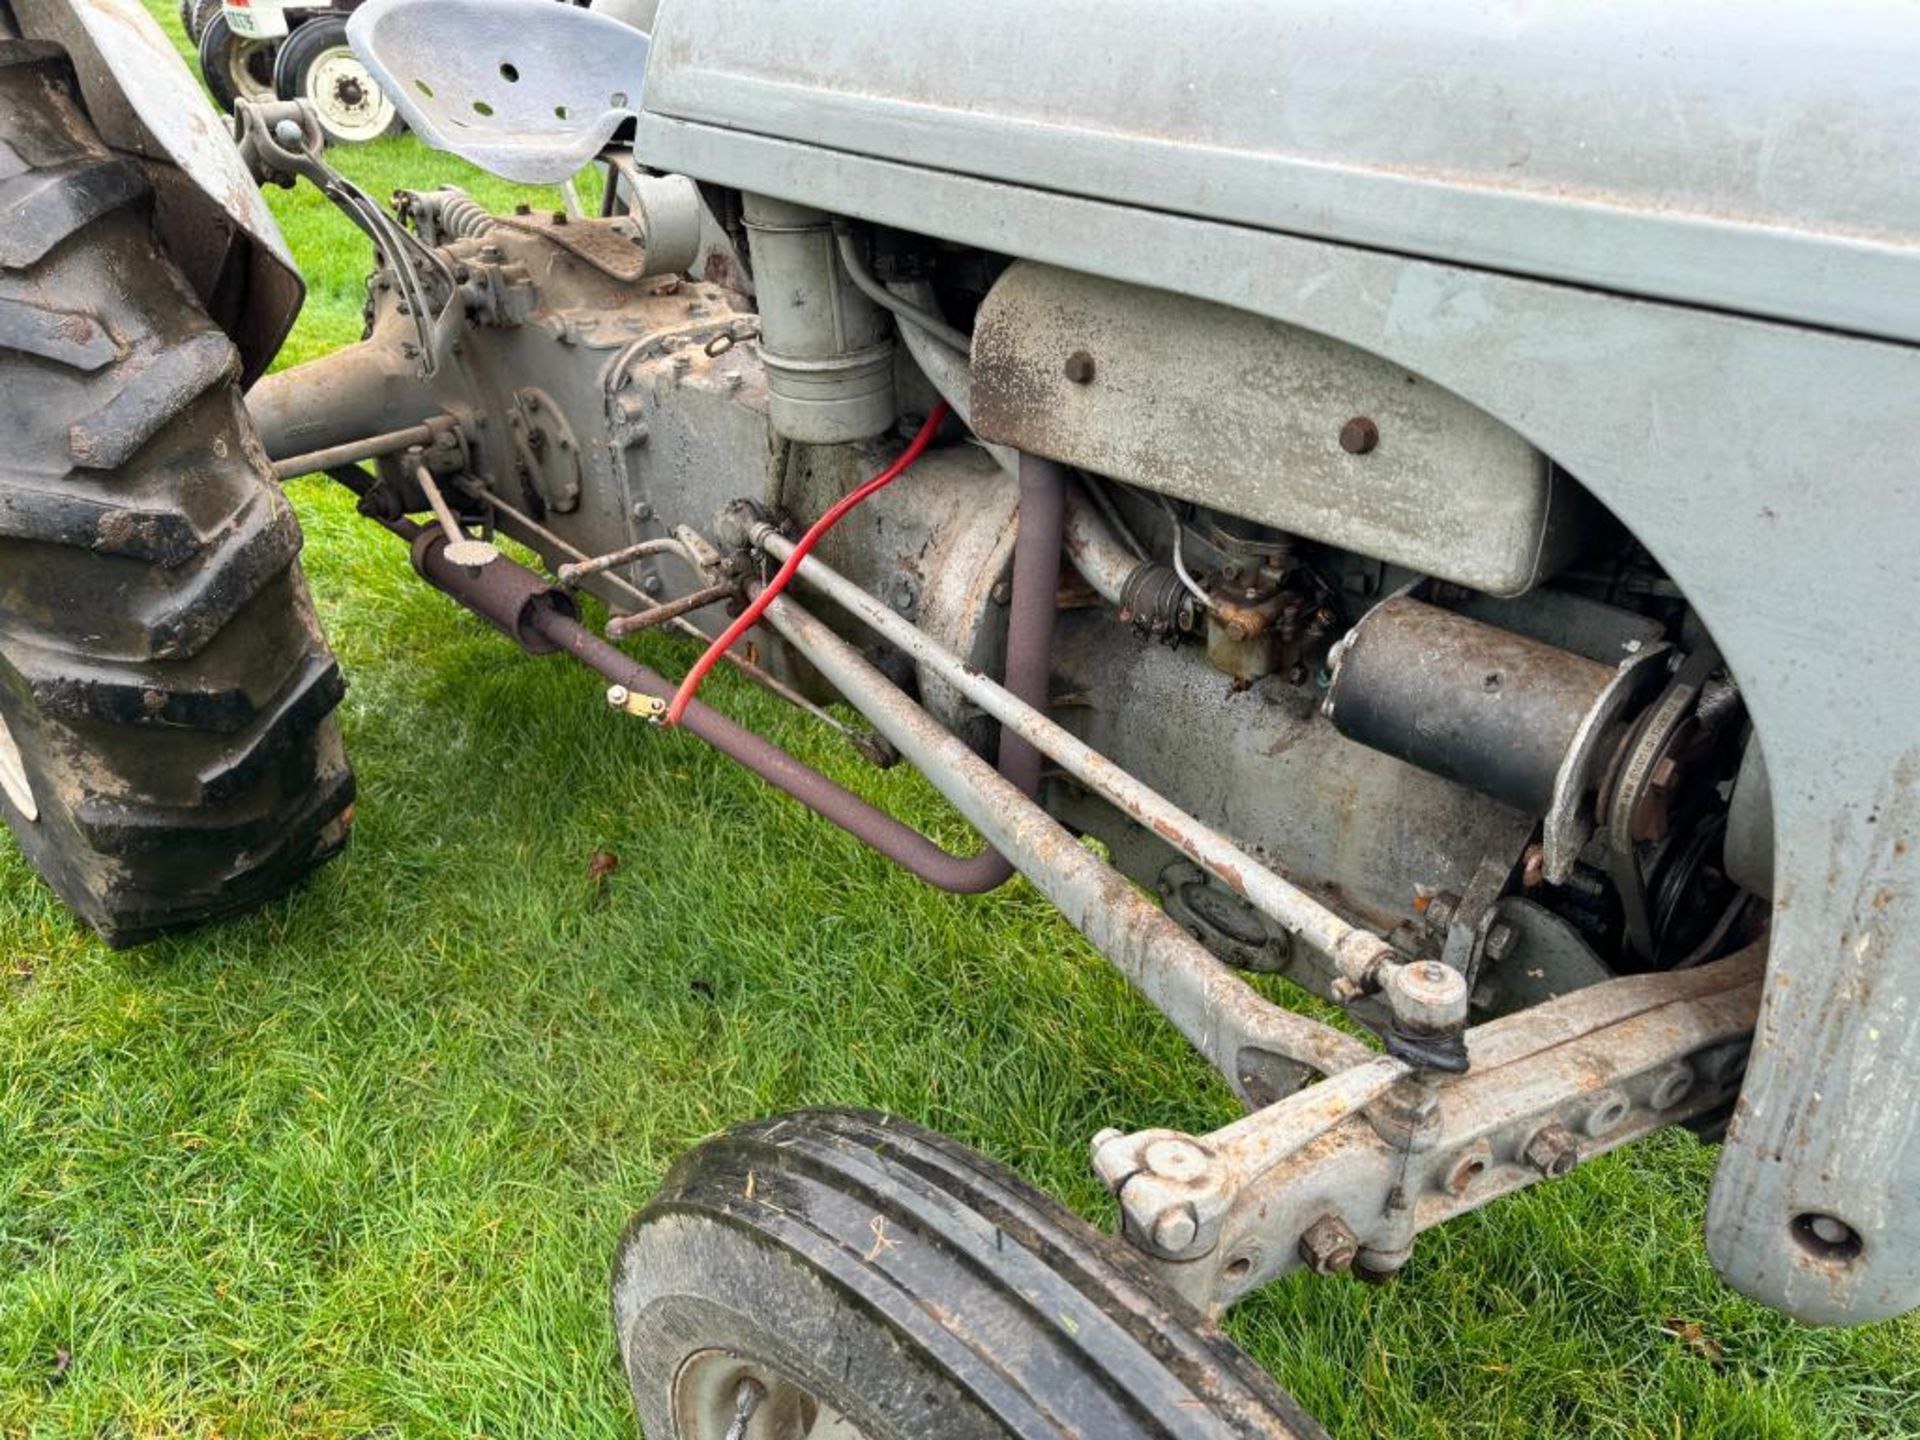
x: 1329, y: 1246
x: 1552, y: 1150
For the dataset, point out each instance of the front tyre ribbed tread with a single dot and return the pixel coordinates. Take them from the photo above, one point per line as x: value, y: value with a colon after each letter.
x: 163, y: 677
x: 920, y: 1290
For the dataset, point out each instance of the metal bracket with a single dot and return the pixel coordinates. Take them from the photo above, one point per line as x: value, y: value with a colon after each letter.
x: 1356, y: 1165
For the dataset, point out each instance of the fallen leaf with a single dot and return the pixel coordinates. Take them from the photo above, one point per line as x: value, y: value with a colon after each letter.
x: 1694, y: 1336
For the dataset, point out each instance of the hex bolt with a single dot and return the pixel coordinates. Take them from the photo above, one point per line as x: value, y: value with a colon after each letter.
x: 1552, y: 1150
x: 1328, y: 1246
x: 1359, y: 435
x: 1079, y: 368
x: 1671, y: 1086
x: 1175, y: 1229
x: 651, y: 584
x: 642, y: 511
x: 1501, y: 938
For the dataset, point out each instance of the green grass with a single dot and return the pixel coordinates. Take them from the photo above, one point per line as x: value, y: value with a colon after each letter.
x: 355, y: 1166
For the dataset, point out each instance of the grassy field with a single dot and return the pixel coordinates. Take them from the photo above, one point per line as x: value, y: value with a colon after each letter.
x: 355, y: 1166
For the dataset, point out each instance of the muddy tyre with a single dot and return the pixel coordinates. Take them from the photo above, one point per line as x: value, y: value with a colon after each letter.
x: 168, y: 751
x: 841, y: 1274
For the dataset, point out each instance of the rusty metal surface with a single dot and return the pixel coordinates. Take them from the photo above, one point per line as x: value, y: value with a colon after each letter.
x: 1225, y: 409
x: 509, y: 597
x: 1359, y: 956
x: 541, y: 619
x: 1259, y: 1047
x: 1380, y: 1157
x: 1747, y: 539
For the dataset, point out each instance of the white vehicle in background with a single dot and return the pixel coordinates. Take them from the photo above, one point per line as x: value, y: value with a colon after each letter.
x: 266, y: 49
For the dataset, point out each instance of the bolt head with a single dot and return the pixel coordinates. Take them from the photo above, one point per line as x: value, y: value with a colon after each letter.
x: 1501, y: 938
x: 1551, y: 1150
x: 651, y: 584
x: 1175, y: 1159
x: 287, y: 132
x: 1359, y: 436
x: 1175, y: 1230
x: 1427, y: 996
x: 1329, y: 1246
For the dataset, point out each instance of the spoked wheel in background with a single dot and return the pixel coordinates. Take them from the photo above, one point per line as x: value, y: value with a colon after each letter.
x: 234, y: 67
x: 316, y: 63
x: 838, y: 1274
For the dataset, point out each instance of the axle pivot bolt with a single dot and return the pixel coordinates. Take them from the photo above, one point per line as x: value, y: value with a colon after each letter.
x: 1175, y: 1230
x: 1329, y: 1245
x: 1552, y: 1151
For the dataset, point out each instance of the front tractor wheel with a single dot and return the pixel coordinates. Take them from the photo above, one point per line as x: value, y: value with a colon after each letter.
x: 838, y: 1274
x: 168, y: 751
x: 316, y: 63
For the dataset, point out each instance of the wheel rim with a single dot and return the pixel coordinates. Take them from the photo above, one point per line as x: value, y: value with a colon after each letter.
x: 350, y: 102
x: 719, y: 1395
x: 13, y: 775
x: 250, y: 69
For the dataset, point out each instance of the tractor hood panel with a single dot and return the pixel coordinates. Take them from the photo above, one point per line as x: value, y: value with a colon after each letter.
x: 1761, y: 160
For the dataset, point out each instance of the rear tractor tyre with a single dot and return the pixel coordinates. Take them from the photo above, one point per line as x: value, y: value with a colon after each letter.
x: 841, y: 1274
x: 315, y: 63
x: 168, y: 750
x: 234, y: 67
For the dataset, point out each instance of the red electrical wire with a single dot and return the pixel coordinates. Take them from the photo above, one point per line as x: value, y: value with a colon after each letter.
x: 750, y: 617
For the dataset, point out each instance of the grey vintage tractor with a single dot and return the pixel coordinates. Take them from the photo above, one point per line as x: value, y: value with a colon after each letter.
x: 1431, y: 489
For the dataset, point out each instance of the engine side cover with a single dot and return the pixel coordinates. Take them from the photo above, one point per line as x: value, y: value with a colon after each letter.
x: 1248, y: 415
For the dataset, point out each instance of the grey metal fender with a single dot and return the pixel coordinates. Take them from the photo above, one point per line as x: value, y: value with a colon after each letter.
x: 211, y: 215
x: 1772, y: 469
